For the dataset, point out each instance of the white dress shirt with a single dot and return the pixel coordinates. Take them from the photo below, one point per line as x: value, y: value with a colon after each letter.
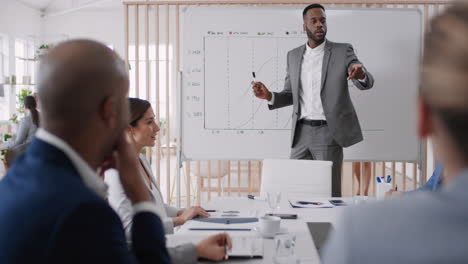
x: 311, y: 80
x: 87, y: 174
x: 310, y: 101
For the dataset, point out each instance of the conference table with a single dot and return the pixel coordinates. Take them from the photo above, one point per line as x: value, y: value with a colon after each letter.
x: 305, y: 250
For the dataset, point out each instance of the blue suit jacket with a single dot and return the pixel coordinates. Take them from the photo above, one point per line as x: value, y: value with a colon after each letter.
x: 435, y: 182
x: 48, y: 215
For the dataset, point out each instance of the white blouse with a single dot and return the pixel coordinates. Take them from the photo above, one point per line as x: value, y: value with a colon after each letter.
x: 122, y: 205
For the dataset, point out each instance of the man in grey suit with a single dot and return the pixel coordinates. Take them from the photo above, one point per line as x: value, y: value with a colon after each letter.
x: 425, y: 226
x: 324, y: 120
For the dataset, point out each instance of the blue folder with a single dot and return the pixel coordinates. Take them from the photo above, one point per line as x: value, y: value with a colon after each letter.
x: 237, y: 220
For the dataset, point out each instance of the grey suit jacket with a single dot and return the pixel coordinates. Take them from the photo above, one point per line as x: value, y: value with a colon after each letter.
x: 422, y: 227
x: 337, y: 106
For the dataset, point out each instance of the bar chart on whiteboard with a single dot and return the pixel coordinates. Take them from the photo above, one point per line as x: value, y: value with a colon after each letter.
x: 229, y: 63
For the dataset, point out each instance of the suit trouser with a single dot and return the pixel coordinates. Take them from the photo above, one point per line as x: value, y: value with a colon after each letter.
x: 316, y: 143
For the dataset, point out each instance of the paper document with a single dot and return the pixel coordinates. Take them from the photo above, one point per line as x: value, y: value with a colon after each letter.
x: 310, y: 203
x: 245, y: 246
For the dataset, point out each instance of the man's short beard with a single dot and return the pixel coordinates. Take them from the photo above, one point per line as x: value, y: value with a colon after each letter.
x: 310, y: 35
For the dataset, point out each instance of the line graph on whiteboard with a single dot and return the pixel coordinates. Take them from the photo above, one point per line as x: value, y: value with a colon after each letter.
x: 229, y: 102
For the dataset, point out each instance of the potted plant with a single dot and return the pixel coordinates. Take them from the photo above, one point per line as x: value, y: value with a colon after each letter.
x: 5, y: 138
x: 14, y: 119
x: 42, y: 50
x: 2, y: 155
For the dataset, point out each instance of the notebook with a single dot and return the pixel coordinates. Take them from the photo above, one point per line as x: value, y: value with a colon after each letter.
x: 319, y: 232
x: 309, y: 203
x: 224, y: 220
x: 245, y: 246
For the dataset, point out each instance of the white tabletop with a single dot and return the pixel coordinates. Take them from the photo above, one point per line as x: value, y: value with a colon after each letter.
x: 305, y: 248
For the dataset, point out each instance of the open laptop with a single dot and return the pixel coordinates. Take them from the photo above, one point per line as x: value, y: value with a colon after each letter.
x: 319, y: 232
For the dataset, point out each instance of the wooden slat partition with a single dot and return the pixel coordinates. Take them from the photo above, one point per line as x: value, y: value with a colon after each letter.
x: 404, y: 176
x: 168, y: 98
x: 219, y: 178
x: 200, y: 182
x: 374, y: 175
x: 187, y: 184
x: 147, y: 63
x: 157, y: 93
x: 209, y: 180
x: 126, y: 37
x: 249, y: 173
x: 147, y: 68
x: 353, y: 172
x: 383, y: 169
x: 137, y: 52
x: 361, y: 180
x: 229, y: 178
x: 238, y: 177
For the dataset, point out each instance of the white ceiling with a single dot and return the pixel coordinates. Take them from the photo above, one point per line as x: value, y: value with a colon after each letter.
x: 50, y: 7
x: 36, y: 4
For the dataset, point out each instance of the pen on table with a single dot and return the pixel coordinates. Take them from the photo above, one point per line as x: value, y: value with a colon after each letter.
x: 231, y: 212
x: 253, y: 74
x: 225, y: 249
x: 252, y: 197
x: 220, y: 229
x: 313, y: 203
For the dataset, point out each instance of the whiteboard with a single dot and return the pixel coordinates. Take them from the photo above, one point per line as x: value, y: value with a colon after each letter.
x: 223, y: 45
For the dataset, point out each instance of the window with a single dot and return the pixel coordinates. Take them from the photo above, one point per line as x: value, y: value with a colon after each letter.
x: 24, y: 61
x: 3, y: 58
x: 142, y: 74
x: 4, y: 89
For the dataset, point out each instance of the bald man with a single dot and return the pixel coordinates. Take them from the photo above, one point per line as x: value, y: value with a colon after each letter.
x: 52, y: 203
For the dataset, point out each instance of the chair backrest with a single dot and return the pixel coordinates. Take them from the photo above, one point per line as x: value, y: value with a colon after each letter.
x: 311, y: 177
x: 213, y: 168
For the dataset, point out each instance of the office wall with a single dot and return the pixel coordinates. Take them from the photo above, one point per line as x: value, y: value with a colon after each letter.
x: 19, y: 20
x: 16, y: 21
x: 105, y: 25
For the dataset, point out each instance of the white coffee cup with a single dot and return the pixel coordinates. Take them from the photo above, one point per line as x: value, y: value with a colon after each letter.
x: 269, y: 225
x: 382, y: 188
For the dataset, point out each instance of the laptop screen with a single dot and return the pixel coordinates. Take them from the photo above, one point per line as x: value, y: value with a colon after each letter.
x: 319, y: 232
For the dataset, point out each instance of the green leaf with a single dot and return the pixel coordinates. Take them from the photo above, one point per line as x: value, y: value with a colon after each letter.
x: 7, y: 137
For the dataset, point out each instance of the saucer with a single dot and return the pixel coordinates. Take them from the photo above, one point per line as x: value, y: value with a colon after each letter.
x: 283, y: 230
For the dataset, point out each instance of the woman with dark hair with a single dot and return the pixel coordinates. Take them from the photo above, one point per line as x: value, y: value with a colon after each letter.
x: 28, y: 125
x: 142, y: 131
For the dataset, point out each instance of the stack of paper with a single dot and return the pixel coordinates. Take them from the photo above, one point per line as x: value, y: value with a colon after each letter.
x: 243, y: 246
x: 310, y: 203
